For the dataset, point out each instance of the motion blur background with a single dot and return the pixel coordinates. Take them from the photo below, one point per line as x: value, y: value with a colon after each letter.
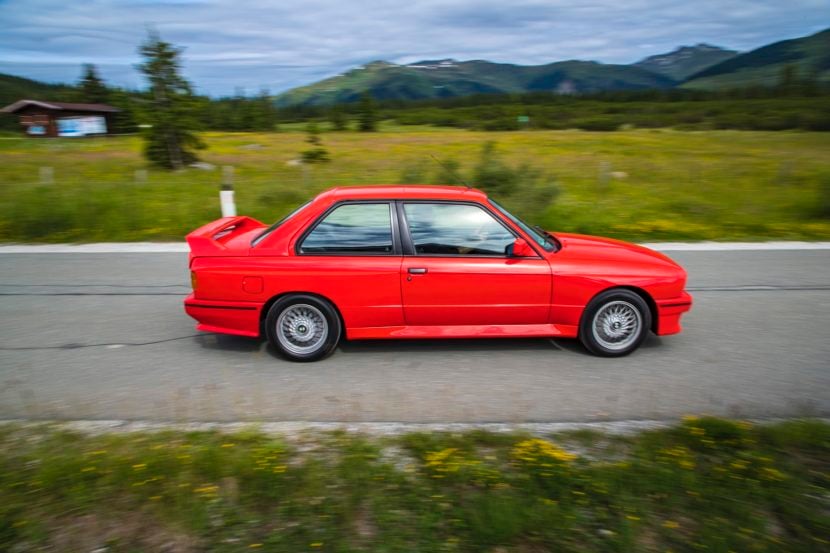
x: 700, y: 128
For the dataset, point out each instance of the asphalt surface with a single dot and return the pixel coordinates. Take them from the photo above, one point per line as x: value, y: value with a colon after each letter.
x: 104, y: 336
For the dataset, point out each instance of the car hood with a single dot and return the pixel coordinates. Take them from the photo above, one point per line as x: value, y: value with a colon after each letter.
x: 607, y: 249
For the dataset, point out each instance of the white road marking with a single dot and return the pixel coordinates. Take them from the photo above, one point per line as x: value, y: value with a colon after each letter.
x: 734, y: 246
x: 181, y: 247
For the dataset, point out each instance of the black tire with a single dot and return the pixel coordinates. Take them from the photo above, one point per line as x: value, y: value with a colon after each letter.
x: 604, y: 324
x: 301, y: 318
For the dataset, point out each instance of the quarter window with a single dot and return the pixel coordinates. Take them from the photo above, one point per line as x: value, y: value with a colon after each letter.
x: 455, y: 229
x: 352, y: 229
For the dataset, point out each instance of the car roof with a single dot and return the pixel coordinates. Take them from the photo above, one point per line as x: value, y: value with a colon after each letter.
x: 406, y: 191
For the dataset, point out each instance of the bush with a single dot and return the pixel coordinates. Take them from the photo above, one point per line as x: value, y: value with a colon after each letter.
x: 597, y: 124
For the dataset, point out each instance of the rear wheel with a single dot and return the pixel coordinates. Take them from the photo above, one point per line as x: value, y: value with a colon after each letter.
x: 302, y: 327
x: 615, y: 323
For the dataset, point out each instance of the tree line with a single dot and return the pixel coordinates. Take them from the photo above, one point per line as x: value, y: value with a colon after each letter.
x: 169, y: 113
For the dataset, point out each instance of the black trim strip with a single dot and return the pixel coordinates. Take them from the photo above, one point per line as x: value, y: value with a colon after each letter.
x: 220, y: 307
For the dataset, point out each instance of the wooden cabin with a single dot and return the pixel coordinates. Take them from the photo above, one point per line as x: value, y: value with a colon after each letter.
x: 53, y: 119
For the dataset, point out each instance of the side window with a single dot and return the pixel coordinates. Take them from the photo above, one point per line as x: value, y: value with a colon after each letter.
x: 455, y: 229
x: 352, y: 229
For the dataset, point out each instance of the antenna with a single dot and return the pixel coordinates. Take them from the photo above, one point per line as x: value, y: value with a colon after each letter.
x: 450, y: 169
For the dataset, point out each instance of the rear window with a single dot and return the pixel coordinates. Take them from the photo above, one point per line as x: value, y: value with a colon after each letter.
x: 352, y: 229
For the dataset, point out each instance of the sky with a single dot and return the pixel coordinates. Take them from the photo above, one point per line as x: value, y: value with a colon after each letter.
x: 249, y: 45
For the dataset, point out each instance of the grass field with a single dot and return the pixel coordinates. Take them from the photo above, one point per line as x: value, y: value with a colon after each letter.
x: 704, y: 485
x: 637, y: 184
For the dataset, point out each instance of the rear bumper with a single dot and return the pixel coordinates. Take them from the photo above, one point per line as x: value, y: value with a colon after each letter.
x: 669, y: 312
x: 239, y: 318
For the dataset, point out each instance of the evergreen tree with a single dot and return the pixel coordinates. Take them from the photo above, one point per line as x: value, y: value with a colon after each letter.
x: 368, y: 121
x: 170, y: 142
x: 92, y: 88
x: 123, y: 121
x: 317, y: 153
x: 266, y: 111
x: 337, y: 118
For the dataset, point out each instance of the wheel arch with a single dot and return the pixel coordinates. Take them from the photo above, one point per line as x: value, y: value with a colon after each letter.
x: 652, y: 305
x: 266, y: 307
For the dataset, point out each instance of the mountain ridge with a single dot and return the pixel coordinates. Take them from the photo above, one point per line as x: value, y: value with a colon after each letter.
x: 808, y: 55
x: 684, y: 61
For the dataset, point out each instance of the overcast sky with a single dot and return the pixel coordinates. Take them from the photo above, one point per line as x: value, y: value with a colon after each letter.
x: 256, y: 44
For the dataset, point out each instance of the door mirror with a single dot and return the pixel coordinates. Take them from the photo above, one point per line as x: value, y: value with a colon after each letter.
x: 520, y: 248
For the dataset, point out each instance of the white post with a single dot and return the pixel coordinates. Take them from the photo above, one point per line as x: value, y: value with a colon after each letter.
x: 226, y: 193
x: 228, y: 205
x: 47, y: 175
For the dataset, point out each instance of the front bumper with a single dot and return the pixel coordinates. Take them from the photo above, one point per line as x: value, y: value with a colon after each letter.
x: 669, y: 312
x: 238, y: 318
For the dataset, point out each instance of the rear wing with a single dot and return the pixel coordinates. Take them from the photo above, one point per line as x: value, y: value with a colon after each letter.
x: 214, y: 239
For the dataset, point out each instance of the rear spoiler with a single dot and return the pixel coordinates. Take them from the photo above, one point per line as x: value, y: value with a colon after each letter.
x: 211, y: 240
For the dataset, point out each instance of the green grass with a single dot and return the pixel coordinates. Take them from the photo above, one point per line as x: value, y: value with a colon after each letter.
x: 637, y: 184
x: 703, y: 485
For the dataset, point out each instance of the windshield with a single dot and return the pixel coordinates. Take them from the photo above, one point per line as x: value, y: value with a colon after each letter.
x: 270, y: 229
x: 541, y: 238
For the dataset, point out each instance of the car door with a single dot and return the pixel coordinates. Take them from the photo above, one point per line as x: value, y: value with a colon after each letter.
x: 456, y: 270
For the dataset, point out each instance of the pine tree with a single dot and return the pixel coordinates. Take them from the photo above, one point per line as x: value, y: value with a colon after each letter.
x: 93, y: 90
x: 123, y: 121
x: 170, y: 141
x: 337, y: 118
x: 317, y: 153
x: 368, y: 122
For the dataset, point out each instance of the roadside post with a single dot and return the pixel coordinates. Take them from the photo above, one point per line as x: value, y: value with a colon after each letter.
x: 226, y: 193
x: 47, y: 175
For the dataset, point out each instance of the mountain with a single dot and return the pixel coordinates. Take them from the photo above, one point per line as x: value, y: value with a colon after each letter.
x: 447, y: 78
x: 810, y: 56
x: 686, y: 60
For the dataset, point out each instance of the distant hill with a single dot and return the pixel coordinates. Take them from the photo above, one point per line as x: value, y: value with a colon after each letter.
x: 14, y: 88
x: 809, y: 55
x: 685, y: 61
x: 448, y: 78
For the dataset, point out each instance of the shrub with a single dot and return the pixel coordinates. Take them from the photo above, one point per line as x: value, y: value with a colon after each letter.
x: 597, y: 124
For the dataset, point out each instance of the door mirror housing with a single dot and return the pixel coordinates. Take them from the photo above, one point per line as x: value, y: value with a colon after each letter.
x: 520, y: 248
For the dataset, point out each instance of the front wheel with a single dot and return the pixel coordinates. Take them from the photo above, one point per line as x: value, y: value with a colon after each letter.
x: 302, y: 327
x: 615, y: 323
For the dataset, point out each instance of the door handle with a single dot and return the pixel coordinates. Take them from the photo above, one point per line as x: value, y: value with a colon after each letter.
x: 417, y: 270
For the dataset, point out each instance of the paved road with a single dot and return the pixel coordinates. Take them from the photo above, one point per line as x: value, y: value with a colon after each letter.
x: 103, y: 336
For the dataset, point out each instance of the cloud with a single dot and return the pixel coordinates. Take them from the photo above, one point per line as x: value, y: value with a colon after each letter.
x: 278, y: 45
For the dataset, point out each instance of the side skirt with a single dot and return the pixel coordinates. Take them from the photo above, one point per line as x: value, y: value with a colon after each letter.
x: 463, y: 331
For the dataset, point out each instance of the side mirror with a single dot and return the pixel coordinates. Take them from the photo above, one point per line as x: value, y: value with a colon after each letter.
x: 520, y: 248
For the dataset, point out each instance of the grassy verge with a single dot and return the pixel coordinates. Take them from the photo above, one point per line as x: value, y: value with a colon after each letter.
x: 704, y: 485
x: 637, y: 185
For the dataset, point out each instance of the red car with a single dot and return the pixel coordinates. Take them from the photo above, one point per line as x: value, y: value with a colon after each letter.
x: 424, y: 262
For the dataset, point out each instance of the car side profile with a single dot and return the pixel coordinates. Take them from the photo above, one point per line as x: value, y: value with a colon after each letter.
x: 394, y: 262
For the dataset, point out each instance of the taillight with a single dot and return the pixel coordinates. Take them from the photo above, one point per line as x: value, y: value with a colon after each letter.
x: 193, y: 280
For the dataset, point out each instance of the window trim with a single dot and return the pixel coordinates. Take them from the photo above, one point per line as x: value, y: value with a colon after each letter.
x: 409, y: 245
x: 393, y: 226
